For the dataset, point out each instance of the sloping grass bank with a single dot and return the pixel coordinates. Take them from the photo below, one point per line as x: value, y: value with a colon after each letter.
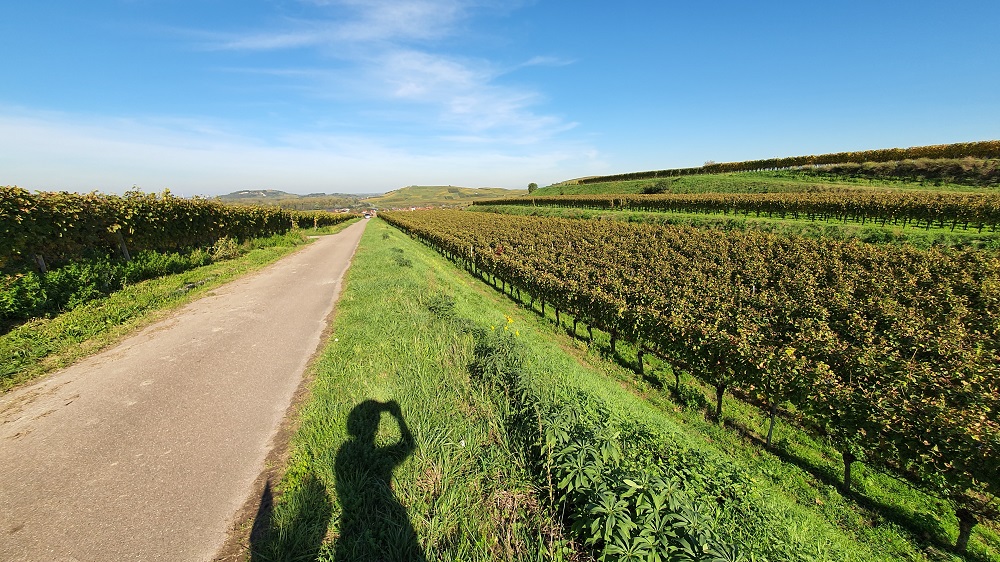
x: 747, y: 182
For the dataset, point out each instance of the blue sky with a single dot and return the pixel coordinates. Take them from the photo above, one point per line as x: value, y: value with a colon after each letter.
x: 210, y: 96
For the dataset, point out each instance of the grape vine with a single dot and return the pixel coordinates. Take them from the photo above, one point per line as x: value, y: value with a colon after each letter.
x: 893, y: 351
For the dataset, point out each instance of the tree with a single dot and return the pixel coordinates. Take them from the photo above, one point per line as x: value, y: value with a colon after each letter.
x: 532, y: 187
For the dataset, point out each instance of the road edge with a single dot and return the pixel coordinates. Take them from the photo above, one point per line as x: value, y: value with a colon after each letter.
x: 262, y: 497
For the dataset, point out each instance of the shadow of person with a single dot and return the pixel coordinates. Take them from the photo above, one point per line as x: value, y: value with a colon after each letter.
x: 373, y: 524
x: 299, y: 535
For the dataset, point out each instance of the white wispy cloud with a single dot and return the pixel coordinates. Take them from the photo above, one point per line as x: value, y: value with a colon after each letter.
x: 356, y: 21
x: 387, y: 46
x: 420, y: 112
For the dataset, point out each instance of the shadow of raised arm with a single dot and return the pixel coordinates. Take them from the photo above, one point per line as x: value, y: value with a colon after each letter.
x: 406, y: 444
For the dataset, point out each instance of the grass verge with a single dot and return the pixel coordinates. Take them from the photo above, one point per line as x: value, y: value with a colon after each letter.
x: 44, y: 345
x: 398, y: 455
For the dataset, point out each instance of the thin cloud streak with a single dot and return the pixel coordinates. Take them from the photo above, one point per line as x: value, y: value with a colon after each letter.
x: 464, y: 96
x: 368, y: 21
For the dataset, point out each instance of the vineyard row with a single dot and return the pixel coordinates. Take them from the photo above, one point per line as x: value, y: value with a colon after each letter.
x: 918, y: 209
x: 893, y: 352
x: 55, y: 228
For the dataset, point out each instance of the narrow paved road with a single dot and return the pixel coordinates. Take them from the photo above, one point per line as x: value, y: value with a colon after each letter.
x: 147, y: 451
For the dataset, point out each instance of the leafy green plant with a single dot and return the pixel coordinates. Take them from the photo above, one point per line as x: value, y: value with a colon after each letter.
x: 441, y: 305
x: 690, y: 396
x: 619, y: 511
x: 224, y: 248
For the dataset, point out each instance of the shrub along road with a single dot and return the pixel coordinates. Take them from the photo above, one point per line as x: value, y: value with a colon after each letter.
x: 147, y: 450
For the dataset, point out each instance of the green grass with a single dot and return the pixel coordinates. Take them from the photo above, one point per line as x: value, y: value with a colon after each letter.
x: 462, y: 483
x: 356, y: 488
x: 918, y: 237
x: 745, y: 182
x: 40, y: 346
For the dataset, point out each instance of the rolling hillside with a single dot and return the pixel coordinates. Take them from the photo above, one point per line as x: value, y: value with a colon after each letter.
x: 310, y: 202
x: 945, y: 167
x: 438, y: 195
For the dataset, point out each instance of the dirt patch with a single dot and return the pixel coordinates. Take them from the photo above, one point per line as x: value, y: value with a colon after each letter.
x: 17, y: 405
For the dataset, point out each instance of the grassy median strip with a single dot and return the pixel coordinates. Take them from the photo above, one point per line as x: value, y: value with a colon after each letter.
x: 43, y: 345
x: 399, y: 456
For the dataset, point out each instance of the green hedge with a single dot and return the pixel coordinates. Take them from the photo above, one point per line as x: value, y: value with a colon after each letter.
x: 65, y: 227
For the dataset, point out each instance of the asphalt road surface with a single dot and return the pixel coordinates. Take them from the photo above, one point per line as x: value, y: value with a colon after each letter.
x: 147, y: 450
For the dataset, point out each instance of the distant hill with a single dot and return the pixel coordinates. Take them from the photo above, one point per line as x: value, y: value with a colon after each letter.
x: 310, y: 202
x: 406, y: 197
x: 275, y: 194
x: 256, y: 194
x: 438, y: 195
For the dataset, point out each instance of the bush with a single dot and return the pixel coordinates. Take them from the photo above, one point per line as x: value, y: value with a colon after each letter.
x: 661, y: 186
x: 225, y: 248
x: 29, y: 295
x: 621, y: 505
x: 441, y: 305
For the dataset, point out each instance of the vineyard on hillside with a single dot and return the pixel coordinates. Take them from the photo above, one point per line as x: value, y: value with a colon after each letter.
x: 892, y: 352
x: 916, y: 209
x: 979, y: 150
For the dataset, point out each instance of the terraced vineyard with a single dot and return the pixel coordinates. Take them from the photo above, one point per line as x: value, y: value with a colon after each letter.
x: 918, y: 210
